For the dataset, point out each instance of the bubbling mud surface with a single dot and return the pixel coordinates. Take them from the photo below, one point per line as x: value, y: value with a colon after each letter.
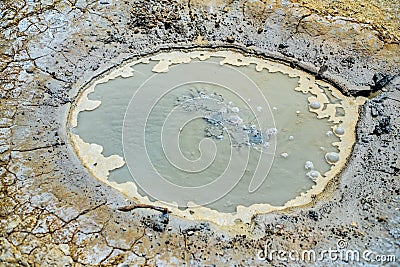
x: 213, y: 135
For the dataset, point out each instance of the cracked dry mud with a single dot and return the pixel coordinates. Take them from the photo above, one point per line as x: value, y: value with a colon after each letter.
x: 53, y: 213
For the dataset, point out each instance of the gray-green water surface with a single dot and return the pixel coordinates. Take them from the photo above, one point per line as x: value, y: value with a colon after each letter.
x: 300, y: 136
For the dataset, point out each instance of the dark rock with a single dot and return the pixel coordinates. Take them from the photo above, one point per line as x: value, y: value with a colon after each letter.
x: 313, y: 215
x: 376, y: 109
x: 282, y: 49
x: 199, y: 227
x: 249, y: 43
x: 380, y: 80
x: 349, y: 62
x: 282, y: 46
x: 365, y: 139
x: 260, y: 30
x: 157, y: 222
x: 167, y: 24
x: 230, y: 39
x: 321, y: 70
x: 383, y: 127
x: 30, y: 70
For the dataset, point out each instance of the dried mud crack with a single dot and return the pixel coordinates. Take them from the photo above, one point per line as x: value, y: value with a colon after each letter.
x: 54, y: 213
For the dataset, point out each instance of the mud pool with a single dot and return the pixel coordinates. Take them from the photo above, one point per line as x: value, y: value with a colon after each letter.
x: 217, y: 132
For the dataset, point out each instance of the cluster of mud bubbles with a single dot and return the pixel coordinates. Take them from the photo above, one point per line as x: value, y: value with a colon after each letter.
x: 213, y: 135
x: 224, y: 119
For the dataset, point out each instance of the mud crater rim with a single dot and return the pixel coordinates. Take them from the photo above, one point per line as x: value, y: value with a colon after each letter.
x: 344, y: 129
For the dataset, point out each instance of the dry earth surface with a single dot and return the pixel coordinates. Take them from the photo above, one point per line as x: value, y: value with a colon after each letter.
x: 54, y: 213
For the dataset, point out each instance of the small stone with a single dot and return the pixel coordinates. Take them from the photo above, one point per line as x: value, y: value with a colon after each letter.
x: 313, y: 215
x: 284, y: 155
x: 64, y: 248
x: 249, y: 43
x: 46, y: 96
x: 235, y: 109
x: 136, y: 30
x: 230, y: 39
x: 291, y: 138
x: 332, y: 157
x: 315, y: 105
x: 384, y: 127
x: 189, y: 233
x: 30, y: 69
x: 260, y: 30
x: 10, y: 227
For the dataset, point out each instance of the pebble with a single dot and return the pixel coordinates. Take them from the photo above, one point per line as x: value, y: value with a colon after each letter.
x: 291, y: 138
x: 230, y: 39
x: 30, y: 69
x: 235, y: 109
